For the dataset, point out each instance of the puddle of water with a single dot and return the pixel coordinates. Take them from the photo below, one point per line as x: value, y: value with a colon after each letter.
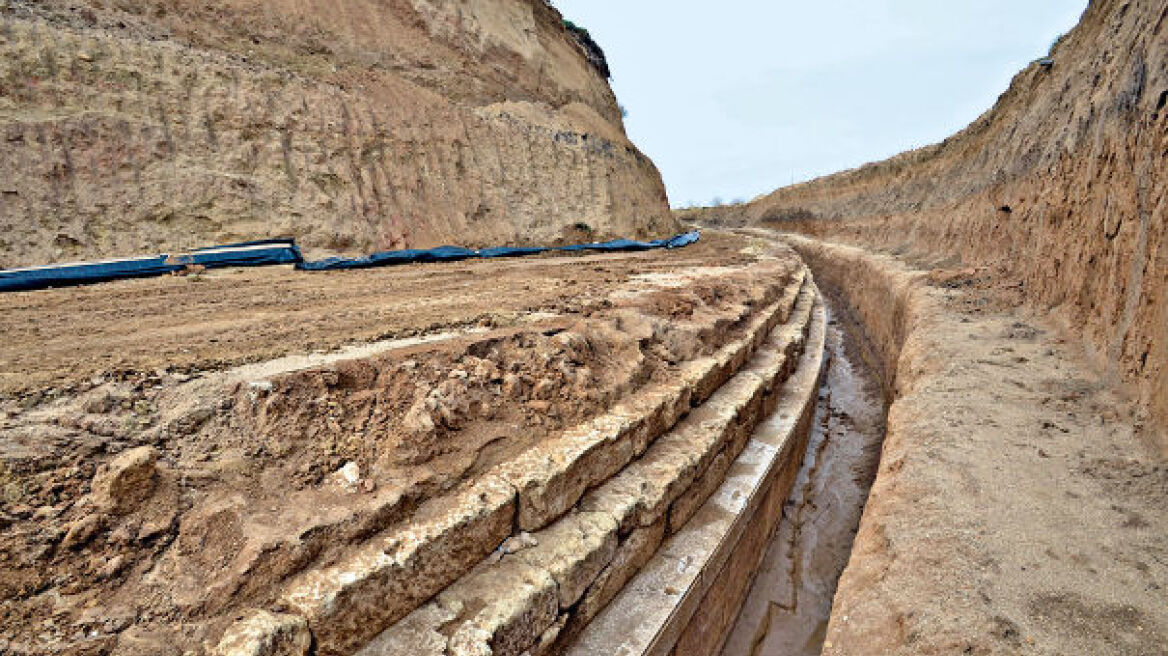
x: 788, y: 606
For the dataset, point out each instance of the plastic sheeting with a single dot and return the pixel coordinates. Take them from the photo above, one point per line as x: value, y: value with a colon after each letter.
x: 249, y: 254
x: 390, y: 258
x: 284, y: 251
x: 453, y: 253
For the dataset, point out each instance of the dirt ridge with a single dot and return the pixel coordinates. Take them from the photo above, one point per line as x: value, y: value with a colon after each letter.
x: 1059, y: 188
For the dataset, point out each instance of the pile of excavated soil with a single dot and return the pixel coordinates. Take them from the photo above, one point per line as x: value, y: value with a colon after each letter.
x: 179, y: 447
x: 142, y: 127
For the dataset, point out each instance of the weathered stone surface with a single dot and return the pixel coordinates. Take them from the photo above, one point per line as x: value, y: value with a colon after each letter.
x: 654, y: 412
x: 549, y: 640
x: 574, y: 550
x: 418, y: 634
x: 631, y: 555
x: 261, y: 633
x: 349, y: 603
x: 687, y: 504
x: 500, y: 609
x: 650, y: 614
x: 551, y: 477
x: 126, y: 481
x: 516, y: 602
x: 81, y: 531
x: 641, y: 494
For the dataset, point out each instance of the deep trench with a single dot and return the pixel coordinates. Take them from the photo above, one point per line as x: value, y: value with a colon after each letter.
x: 787, y: 609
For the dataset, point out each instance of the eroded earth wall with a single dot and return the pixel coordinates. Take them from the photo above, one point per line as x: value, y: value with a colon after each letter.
x: 1061, y: 187
x: 130, y: 127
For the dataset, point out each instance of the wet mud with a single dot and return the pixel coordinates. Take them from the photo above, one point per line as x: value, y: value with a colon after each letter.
x: 789, y: 604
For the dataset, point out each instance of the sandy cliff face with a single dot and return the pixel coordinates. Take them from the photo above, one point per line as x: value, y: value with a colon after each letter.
x: 1061, y: 186
x: 137, y: 126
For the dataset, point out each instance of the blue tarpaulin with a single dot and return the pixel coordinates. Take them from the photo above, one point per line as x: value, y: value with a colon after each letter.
x: 389, y: 258
x: 452, y: 253
x: 284, y: 251
x: 259, y: 253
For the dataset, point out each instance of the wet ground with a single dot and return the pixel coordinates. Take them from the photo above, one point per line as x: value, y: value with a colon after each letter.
x: 789, y: 604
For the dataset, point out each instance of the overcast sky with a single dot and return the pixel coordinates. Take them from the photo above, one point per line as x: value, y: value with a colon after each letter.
x: 735, y: 98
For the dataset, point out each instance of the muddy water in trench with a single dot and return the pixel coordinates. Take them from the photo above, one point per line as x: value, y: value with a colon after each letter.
x: 789, y: 603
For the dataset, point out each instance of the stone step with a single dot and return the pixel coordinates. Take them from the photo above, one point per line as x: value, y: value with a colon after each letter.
x: 534, y: 599
x: 383, y: 580
x: 684, y: 597
x: 313, y: 528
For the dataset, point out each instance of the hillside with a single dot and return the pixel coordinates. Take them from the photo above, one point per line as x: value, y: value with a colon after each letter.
x: 1055, y: 189
x: 135, y: 127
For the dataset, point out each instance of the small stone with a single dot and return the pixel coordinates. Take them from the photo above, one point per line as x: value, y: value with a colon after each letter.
x: 486, y: 370
x: 258, y: 388
x: 512, y: 386
x: 519, y: 542
x: 544, y: 389
x: 348, y: 477
x: 418, y: 419
x: 261, y: 633
x: 84, y: 56
x: 81, y: 531
x: 127, y: 480
x: 112, y: 567
x: 45, y: 512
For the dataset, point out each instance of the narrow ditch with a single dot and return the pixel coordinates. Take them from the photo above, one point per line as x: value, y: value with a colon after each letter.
x: 787, y: 609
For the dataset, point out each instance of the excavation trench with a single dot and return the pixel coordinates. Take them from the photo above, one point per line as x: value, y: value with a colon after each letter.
x: 786, y: 612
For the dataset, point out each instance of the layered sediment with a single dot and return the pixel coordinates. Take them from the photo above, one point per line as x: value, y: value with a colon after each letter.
x: 159, y: 126
x: 1059, y: 188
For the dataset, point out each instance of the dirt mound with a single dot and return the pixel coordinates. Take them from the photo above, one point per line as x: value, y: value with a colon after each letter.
x: 147, y: 126
x: 1058, y: 189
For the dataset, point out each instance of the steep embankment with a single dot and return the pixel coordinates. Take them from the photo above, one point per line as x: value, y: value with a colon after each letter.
x: 1014, y: 511
x: 135, y: 126
x: 1059, y: 187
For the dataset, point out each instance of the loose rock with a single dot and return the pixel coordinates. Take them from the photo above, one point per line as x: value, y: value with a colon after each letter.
x: 126, y: 481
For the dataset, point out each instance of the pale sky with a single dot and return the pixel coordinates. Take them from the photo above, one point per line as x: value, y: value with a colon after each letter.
x: 736, y: 98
